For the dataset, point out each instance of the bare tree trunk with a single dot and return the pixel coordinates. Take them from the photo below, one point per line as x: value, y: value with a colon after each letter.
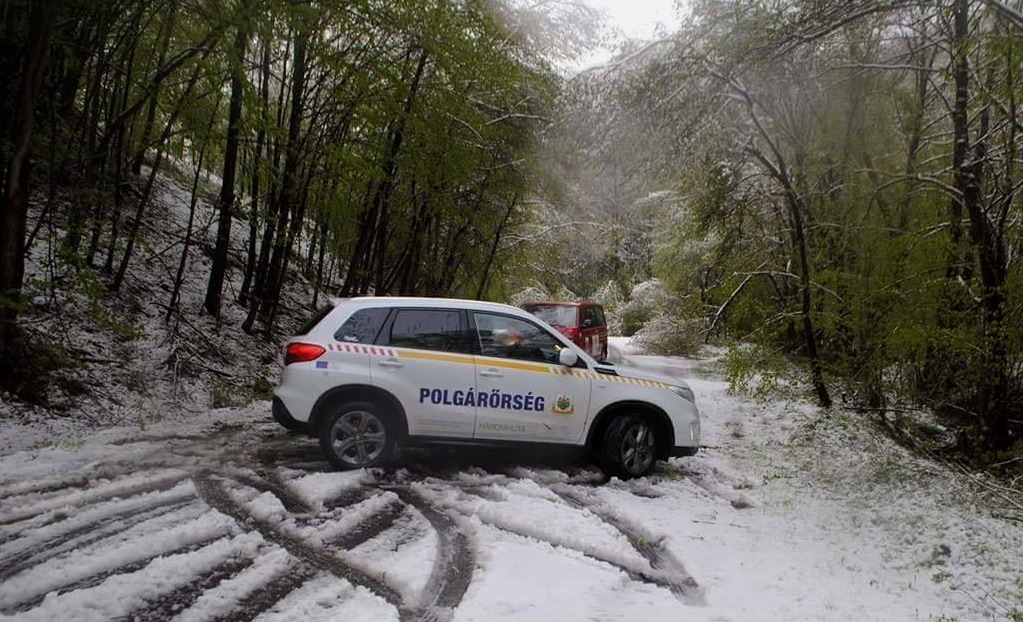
x: 289, y: 189
x: 493, y: 248
x: 264, y: 92
x: 319, y: 263
x: 219, y: 268
x: 144, y: 199
x: 147, y: 128
x: 992, y: 385
x: 796, y: 207
x: 180, y: 276
x: 14, y: 210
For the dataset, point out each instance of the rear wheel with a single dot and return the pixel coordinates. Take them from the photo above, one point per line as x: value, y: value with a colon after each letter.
x: 358, y: 435
x: 629, y: 446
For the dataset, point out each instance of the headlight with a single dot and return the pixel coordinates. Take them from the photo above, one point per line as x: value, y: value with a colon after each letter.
x: 684, y: 392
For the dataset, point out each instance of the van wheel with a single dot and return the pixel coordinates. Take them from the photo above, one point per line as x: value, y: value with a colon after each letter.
x: 358, y: 435
x: 628, y: 448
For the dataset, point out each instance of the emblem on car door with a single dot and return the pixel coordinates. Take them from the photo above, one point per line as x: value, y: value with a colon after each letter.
x: 563, y: 405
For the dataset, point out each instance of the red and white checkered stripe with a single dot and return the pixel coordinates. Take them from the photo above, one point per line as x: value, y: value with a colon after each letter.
x: 361, y: 349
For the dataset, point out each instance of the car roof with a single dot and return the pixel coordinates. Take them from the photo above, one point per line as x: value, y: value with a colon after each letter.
x: 411, y: 301
x: 452, y: 303
x: 563, y: 303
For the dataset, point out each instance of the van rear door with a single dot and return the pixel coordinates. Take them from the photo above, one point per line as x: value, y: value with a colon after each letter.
x: 593, y: 332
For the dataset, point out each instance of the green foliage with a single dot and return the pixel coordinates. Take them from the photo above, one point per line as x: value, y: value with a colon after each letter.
x: 791, y: 132
x: 754, y: 370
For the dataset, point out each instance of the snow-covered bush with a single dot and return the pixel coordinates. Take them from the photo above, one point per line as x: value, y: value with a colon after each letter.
x: 646, y: 301
x: 610, y: 296
x: 539, y: 292
x: 670, y: 335
x: 533, y: 292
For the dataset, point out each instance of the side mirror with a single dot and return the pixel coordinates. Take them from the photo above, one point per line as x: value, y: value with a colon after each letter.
x: 587, y: 323
x: 568, y: 357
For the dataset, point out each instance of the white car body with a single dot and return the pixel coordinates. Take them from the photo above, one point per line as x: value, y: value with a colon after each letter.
x: 496, y: 387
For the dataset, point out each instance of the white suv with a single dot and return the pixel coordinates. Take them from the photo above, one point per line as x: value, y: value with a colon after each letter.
x: 366, y: 375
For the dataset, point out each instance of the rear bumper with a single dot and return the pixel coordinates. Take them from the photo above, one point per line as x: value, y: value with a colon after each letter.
x: 294, y: 393
x: 280, y: 411
x: 677, y: 452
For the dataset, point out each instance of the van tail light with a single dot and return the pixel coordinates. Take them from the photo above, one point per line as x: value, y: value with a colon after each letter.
x: 302, y: 353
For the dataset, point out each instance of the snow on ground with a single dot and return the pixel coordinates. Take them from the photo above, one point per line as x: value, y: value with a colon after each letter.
x: 117, y: 357
x: 785, y: 515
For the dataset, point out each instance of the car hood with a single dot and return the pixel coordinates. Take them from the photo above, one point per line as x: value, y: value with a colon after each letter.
x: 629, y: 372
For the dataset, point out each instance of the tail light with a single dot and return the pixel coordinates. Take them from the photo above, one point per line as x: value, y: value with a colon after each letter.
x: 302, y: 353
x: 570, y: 332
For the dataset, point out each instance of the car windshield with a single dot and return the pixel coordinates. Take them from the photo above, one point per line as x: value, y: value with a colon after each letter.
x: 555, y: 315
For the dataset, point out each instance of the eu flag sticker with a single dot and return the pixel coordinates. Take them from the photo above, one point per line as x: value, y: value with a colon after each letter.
x: 321, y: 364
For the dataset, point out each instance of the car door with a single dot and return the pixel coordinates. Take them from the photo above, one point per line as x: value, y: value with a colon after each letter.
x: 426, y: 361
x: 590, y: 330
x: 601, y: 323
x: 523, y: 392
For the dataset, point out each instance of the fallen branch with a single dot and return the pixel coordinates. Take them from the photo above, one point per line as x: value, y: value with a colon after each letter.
x: 724, y: 307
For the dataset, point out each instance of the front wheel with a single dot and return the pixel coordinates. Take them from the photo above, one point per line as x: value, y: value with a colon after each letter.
x: 628, y: 448
x: 358, y: 436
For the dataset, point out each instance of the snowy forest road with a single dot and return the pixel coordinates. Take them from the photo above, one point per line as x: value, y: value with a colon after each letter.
x: 240, y: 520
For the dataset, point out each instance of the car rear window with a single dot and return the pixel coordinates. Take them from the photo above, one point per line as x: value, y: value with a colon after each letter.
x: 363, y: 326
x: 555, y: 315
x: 429, y: 329
x: 314, y: 320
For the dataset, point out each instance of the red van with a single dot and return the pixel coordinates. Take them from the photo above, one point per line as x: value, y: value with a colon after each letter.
x: 582, y: 322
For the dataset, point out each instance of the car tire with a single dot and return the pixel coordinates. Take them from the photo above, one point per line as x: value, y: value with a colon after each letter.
x: 628, y: 447
x: 358, y: 435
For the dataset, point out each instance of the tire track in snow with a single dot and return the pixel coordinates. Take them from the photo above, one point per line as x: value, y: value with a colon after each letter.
x: 269, y: 481
x: 369, y: 528
x: 668, y: 572
x: 453, y: 566
x: 212, y: 492
x: 634, y: 574
x: 651, y: 548
x: 349, y: 497
x: 87, y: 535
x: 273, y: 589
x: 276, y: 590
x: 99, y: 577
x: 89, y: 520
x: 167, y: 606
x: 84, y: 498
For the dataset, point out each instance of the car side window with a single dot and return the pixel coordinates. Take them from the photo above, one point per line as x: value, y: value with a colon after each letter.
x: 589, y: 317
x: 363, y: 326
x: 512, y: 338
x: 599, y: 314
x: 429, y: 329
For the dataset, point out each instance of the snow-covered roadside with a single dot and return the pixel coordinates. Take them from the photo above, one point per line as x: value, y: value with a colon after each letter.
x: 117, y: 357
x: 845, y: 524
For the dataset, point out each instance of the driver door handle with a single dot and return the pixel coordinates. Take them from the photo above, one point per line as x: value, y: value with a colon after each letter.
x: 491, y: 373
x: 390, y: 363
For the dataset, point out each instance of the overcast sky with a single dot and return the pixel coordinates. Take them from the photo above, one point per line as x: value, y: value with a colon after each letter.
x: 637, y: 19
